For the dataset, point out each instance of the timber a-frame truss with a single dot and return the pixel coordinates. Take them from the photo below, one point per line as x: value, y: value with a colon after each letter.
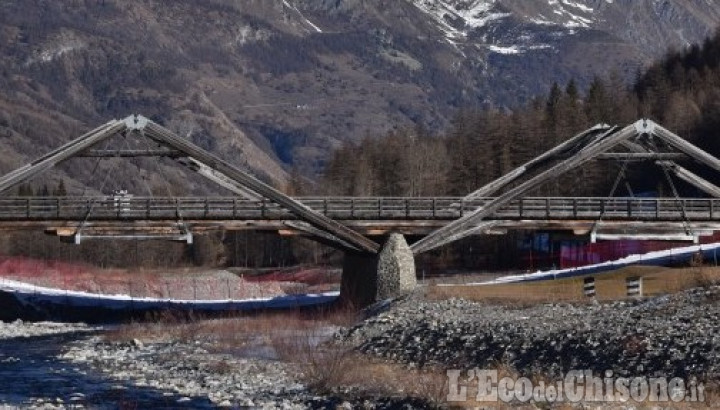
x: 198, y: 160
x: 644, y: 140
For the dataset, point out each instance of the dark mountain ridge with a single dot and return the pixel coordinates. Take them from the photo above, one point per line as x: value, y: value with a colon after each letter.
x: 266, y: 83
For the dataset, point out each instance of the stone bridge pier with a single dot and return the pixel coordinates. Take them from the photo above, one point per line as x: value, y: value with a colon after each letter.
x: 369, y: 278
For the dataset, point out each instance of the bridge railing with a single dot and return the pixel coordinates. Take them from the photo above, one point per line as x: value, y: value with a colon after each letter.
x: 219, y: 208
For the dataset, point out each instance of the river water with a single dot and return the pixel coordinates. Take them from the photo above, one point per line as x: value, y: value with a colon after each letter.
x: 32, y: 376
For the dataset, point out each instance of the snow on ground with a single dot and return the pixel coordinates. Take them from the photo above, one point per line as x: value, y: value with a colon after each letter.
x: 711, y: 251
x: 302, y: 16
x: 471, y: 14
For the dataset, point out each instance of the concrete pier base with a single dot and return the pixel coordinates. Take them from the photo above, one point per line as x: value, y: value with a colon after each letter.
x: 368, y: 278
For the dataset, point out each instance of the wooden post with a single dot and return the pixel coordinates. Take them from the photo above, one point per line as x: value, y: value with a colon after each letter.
x: 575, y: 209
x: 547, y: 208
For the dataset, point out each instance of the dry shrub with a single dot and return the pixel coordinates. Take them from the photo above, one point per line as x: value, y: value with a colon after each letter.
x: 230, y: 331
x: 391, y: 379
x: 160, y: 327
x: 707, y: 278
x: 298, y: 337
x: 322, y: 367
x: 336, y: 369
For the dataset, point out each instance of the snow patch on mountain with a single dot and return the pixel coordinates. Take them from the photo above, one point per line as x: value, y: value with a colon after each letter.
x: 457, y: 18
x: 516, y: 49
x: 573, y: 14
x: 302, y: 16
x: 51, y: 54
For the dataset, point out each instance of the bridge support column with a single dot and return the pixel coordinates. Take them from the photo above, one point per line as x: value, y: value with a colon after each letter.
x: 367, y: 279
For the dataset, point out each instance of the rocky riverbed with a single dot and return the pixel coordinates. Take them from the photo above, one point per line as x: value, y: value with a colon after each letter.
x: 52, y: 365
x: 187, y: 371
x: 56, y: 366
x: 675, y: 335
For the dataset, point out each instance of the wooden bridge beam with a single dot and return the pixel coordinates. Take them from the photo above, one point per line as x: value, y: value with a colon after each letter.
x: 321, y: 236
x: 129, y: 153
x: 59, y: 155
x: 693, y: 151
x: 608, y: 140
x: 681, y: 172
x: 319, y: 221
x: 513, y: 175
x: 218, y: 178
x: 692, y: 178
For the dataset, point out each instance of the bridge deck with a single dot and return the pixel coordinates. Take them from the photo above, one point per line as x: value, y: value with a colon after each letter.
x: 369, y: 209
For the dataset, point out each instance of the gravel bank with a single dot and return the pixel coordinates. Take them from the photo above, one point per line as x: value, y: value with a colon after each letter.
x: 20, y: 329
x: 61, y: 366
x: 188, y: 375
x: 676, y: 335
x: 189, y: 370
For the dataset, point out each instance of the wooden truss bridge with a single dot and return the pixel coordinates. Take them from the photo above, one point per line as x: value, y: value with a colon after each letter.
x: 349, y: 223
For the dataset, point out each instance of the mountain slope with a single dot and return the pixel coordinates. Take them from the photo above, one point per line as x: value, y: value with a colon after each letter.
x: 265, y: 83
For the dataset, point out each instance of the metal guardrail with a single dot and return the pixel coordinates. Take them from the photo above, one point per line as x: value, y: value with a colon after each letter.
x: 441, y: 208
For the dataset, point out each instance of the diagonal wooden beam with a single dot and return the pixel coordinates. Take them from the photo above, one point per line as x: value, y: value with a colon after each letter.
x: 637, y: 156
x: 219, y: 179
x: 681, y: 144
x: 59, y: 155
x: 475, y: 230
x: 321, y: 236
x: 609, y: 140
x: 692, y: 178
x: 681, y: 172
x: 513, y: 175
x: 166, y: 137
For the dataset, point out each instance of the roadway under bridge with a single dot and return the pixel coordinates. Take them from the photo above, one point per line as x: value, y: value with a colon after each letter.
x: 361, y: 226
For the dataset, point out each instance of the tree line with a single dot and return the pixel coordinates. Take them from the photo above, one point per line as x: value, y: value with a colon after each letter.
x: 681, y: 92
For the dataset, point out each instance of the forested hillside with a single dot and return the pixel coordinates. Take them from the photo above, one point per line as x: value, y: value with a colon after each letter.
x: 269, y: 84
x: 681, y: 92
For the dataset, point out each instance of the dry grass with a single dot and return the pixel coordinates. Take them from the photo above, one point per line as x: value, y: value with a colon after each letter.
x: 388, y: 379
x: 608, y: 286
x: 231, y: 332
x: 299, y: 338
